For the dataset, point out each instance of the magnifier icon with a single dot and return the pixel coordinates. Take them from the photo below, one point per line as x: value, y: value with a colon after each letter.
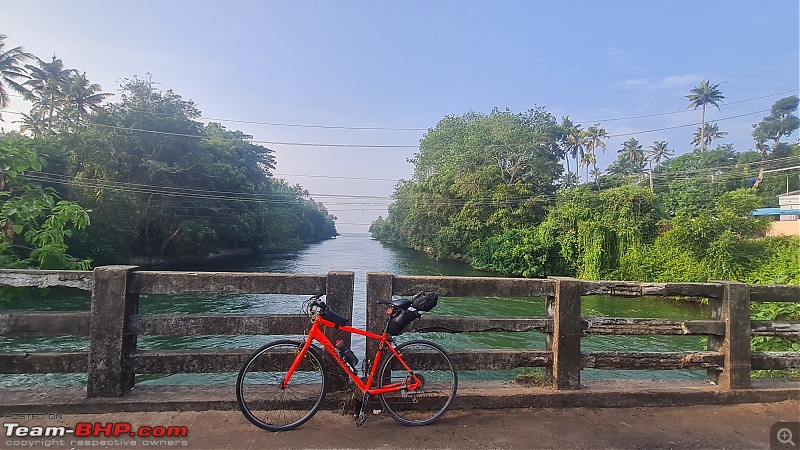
x: 784, y: 436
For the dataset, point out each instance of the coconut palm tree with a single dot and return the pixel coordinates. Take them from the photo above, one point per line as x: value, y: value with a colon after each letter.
x: 32, y: 123
x: 657, y: 151
x: 47, y: 83
x: 709, y: 133
x: 571, y: 142
x: 632, y: 153
x: 618, y: 169
x: 11, y: 72
x: 83, y: 96
x: 700, y: 96
x: 594, y: 140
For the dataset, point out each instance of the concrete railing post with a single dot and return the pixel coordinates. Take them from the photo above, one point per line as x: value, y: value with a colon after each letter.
x: 564, y: 308
x: 715, y: 343
x: 110, y: 368
x: 736, y: 345
x: 379, y: 287
x: 339, y: 297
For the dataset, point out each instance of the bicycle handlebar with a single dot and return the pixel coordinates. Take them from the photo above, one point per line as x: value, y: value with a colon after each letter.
x: 315, y: 301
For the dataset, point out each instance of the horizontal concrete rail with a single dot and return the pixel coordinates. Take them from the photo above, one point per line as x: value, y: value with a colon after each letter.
x: 776, y: 328
x: 77, y: 279
x: 225, y: 283
x: 189, y: 361
x: 473, y: 286
x: 44, y: 362
x: 635, y: 289
x: 44, y: 324
x: 624, y: 326
x: 652, y: 360
x: 218, y: 324
x: 453, y: 324
x: 773, y: 293
x: 775, y: 360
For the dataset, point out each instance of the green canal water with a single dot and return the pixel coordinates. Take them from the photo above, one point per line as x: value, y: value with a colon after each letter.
x: 360, y: 254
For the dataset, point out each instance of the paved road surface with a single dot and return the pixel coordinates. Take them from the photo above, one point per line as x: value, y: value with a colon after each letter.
x: 745, y: 426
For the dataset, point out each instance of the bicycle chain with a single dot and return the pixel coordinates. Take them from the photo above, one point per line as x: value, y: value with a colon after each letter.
x: 362, y: 415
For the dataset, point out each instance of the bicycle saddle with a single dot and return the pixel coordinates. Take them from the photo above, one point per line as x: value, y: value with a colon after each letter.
x: 399, y: 303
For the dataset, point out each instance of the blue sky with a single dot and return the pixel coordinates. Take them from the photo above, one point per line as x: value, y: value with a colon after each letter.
x: 408, y: 64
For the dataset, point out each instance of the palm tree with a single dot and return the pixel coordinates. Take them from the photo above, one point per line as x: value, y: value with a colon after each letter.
x: 571, y: 142
x: 577, y: 142
x: 704, y: 136
x: 632, y: 154
x: 48, y: 81
x: 659, y: 149
x: 618, y: 169
x: 594, y: 140
x: 700, y: 96
x: 32, y: 124
x: 83, y: 96
x: 11, y: 70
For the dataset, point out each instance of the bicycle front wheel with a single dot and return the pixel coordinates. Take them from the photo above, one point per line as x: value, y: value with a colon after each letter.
x: 260, y: 393
x: 434, y: 368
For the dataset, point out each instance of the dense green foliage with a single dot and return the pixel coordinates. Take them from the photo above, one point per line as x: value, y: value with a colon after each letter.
x: 476, y: 175
x: 157, y: 182
x: 688, y: 219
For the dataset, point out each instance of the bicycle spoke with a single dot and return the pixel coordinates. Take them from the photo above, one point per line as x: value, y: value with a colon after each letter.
x: 434, y: 368
x: 260, y: 396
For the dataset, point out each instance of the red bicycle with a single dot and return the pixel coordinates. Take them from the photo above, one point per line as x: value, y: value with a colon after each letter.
x: 282, y: 385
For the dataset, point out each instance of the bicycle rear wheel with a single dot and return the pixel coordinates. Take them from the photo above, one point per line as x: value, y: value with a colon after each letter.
x: 433, y: 366
x: 260, y: 396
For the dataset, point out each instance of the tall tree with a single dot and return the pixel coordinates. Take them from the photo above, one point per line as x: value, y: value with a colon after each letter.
x: 632, y: 152
x: 572, y: 143
x: 657, y: 151
x: 704, y: 136
x: 47, y: 83
x: 780, y: 123
x: 594, y: 140
x: 701, y: 95
x: 11, y: 72
x: 82, y: 95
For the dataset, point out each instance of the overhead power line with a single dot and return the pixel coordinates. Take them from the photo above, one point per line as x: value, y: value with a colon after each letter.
x: 681, y: 112
x: 368, y: 128
x: 415, y: 146
x: 687, y: 125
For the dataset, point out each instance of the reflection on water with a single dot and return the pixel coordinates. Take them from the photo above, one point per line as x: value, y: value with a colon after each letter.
x: 360, y: 254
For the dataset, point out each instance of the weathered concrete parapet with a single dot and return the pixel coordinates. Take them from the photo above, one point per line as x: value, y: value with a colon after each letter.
x: 339, y: 289
x: 736, y: 314
x: 110, y: 371
x: 379, y: 287
x: 565, y: 309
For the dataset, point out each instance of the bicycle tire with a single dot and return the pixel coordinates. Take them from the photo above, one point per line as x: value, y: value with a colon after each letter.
x: 260, y: 397
x: 428, y: 403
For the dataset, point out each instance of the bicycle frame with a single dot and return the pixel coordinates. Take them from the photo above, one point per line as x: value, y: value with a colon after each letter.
x: 316, y: 334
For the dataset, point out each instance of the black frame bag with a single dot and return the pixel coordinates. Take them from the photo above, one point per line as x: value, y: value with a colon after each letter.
x: 401, y: 317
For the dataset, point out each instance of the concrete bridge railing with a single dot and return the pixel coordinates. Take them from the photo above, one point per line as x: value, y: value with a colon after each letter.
x: 114, y: 323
